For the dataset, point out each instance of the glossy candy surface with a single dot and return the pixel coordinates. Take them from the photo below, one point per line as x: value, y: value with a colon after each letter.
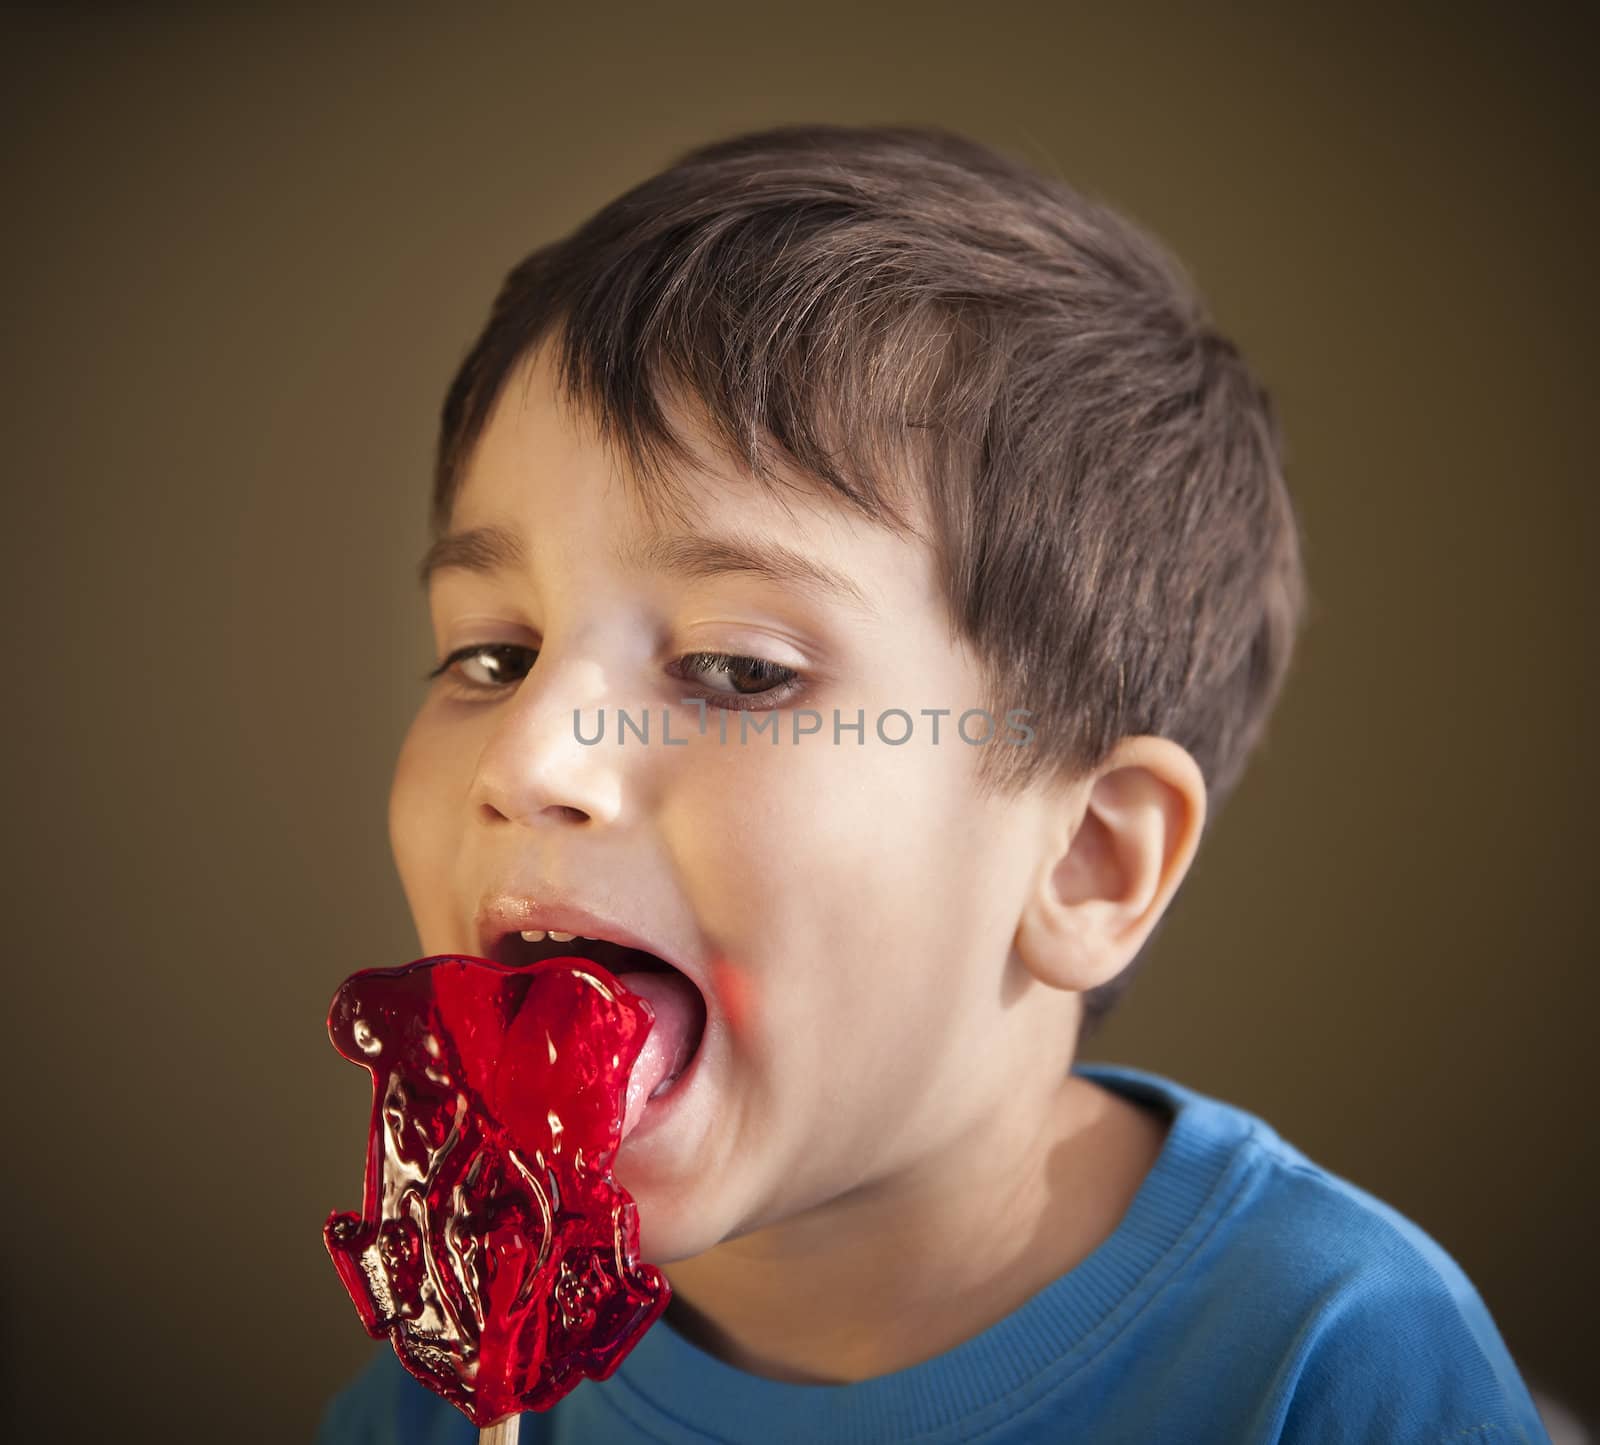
x: 493, y: 1247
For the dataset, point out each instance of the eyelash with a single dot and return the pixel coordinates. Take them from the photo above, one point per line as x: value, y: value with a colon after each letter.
x: 785, y: 681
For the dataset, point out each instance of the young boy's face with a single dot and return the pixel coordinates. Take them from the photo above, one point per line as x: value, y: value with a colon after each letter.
x: 847, y: 908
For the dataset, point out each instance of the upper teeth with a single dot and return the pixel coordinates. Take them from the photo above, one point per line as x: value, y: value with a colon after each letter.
x: 537, y: 935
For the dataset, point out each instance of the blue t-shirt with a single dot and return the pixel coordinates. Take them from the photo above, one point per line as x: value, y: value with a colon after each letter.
x: 1246, y: 1295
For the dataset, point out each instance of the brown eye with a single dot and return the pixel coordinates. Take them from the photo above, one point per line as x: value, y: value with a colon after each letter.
x: 732, y: 677
x: 746, y: 674
x: 499, y: 661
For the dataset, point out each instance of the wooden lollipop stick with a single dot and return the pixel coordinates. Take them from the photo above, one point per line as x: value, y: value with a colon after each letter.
x: 503, y: 1432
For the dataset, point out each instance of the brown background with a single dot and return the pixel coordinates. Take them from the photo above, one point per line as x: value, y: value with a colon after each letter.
x: 243, y: 254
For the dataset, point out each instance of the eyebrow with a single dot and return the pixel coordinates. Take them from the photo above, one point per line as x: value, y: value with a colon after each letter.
x: 491, y: 549
x: 486, y: 550
x: 690, y: 555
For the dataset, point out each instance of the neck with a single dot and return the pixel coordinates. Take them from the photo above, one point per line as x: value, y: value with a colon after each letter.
x: 892, y: 1275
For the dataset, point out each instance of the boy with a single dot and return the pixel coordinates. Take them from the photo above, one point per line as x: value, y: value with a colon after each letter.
x: 935, y: 472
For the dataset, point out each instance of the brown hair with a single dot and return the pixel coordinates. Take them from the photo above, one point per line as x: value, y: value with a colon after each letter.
x: 903, y: 313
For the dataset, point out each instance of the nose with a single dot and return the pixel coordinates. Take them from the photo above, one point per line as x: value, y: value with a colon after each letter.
x: 534, y: 769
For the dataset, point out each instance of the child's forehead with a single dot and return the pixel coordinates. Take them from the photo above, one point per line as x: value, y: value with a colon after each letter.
x: 523, y: 495
x: 708, y: 488
x: 852, y: 571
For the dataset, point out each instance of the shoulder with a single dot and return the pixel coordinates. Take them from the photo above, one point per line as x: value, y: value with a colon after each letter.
x: 1320, y: 1312
x: 1384, y: 1335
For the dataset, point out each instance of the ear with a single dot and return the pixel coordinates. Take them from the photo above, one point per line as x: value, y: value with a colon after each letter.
x: 1107, y: 872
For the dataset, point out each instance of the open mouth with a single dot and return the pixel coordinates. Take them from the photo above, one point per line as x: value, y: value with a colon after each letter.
x: 675, y: 1000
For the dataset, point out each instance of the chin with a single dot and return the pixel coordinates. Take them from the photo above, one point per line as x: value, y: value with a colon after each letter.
x: 666, y: 1232
x: 667, y: 1236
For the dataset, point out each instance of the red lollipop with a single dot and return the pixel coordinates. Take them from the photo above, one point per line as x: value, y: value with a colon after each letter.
x: 493, y: 1246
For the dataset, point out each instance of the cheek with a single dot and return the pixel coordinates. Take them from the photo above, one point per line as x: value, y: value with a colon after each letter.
x: 768, y: 836
x: 814, y: 796
x: 839, y: 869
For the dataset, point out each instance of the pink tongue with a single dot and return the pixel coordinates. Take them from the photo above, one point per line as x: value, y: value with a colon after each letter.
x: 667, y: 1047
